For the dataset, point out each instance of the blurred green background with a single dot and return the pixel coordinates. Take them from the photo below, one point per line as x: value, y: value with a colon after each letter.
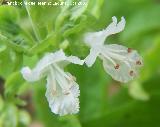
x: 103, y: 101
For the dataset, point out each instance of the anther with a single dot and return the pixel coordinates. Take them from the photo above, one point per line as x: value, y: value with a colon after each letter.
x: 131, y: 73
x: 138, y: 62
x: 66, y: 93
x: 117, y: 66
x: 129, y: 50
x: 53, y: 92
x: 72, y: 78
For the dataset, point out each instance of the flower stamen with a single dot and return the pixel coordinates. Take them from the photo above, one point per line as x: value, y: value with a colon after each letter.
x: 117, y: 66
x: 109, y: 58
x: 66, y: 93
x: 138, y: 62
x: 129, y: 50
x: 53, y: 92
x: 131, y: 73
x: 59, y: 70
x: 72, y: 78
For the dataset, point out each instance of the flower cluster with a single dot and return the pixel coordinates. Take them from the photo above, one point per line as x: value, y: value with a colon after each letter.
x: 120, y: 62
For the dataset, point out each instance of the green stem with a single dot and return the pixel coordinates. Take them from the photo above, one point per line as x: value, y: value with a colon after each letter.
x: 31, y: 21
x: 49, y: 41
x: 12, y: 45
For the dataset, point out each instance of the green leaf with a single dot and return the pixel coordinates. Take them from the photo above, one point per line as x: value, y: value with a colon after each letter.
x: 94, y: 7
x: 76, y: 28
x: 77, y: 11
x: 51, y: 40
x: 13, y: 84
x: 6, y: 62
x: 8, y: 13
x: 142, y: 22
x: 129, y: 112
x: 44, y: 18
x: 11, y: 30
x: 10, y: 118
x: 2, y: 47
x: 151, y: 63
x: 24, y: 118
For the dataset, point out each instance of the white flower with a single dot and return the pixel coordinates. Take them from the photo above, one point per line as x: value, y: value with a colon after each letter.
x: 62, y: 90
x: 120, y: 62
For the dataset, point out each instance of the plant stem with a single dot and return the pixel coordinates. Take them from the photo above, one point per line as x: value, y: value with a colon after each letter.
x: 31, y: 21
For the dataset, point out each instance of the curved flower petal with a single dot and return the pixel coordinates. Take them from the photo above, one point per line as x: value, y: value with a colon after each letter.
x: 91, y: 58
x: 75, y: 60
x: 94, y: 38
x: 41, y: 68
x: 120, y: 63
x: 125, y: 54
x: 30, y: 75
x: 98, y: 38
x: 62, y: 91
x: 66, y: 104
x: 64, y: 100
x: 116, y: 48
x: 70, y: 59
x: 122, y: 74
x: 51, y: 87
x: 114, y: 28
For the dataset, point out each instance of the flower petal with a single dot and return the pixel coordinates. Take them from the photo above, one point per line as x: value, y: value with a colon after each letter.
x: 121, y: 74
x: 75, y: 60
x: 98, y: 38
x: 94, y: 38
x: 62, y: 92
x: 114, y: 28
x: 119, y: 63
x: 91, y: 58
x: 51, y: 87
x: 30, y: 75
x: 70, y: 59
x: 116, y: 48
x: 42, y: 66
x: 65, y: 104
